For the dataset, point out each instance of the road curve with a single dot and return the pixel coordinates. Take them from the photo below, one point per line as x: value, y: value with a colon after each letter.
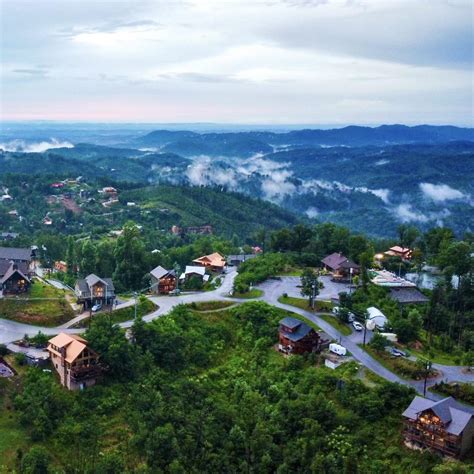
x: 11, y: 331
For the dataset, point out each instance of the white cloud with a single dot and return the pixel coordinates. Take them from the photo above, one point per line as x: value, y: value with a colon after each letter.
x: 37, y: 147
x: 441, y: 192
x: 312, y: 212
x: 406, y: 213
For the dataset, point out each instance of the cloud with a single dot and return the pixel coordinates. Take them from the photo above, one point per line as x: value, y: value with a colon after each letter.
x: 406, y: 213
x: 37, y: 147
x: 34, y: 71
x: 441, y: 192
x: 312, y: 212
x: 381, y: 162
x: 309, y: 61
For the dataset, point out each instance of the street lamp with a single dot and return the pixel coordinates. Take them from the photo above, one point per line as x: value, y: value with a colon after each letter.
x: 428, y: 365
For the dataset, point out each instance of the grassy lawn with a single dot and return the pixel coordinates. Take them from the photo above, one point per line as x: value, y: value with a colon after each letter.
x: 121, y: 315
x: 43, y: 312
x: 406, y: 369
x: 319, y: 306
x: 210, y: 305
x: 293, y: 272
x: 253, y: 293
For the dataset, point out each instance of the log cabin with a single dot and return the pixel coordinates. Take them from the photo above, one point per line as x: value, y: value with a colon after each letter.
x: 439, y: 426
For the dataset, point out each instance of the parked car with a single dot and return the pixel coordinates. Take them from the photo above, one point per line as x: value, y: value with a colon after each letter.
x: 357, y: 326
x: 351, y: 317
x: 175, y: 292
x: 96, y: 307
x: 400, y: 353
x: 395, y: 352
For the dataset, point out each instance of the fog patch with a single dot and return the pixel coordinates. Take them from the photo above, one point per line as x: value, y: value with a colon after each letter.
x: 312, y: 212
x: 441, y: 192
x: 406, y: 213
x: 36, y: 147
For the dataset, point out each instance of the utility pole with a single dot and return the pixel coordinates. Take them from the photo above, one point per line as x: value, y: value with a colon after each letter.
x: 365, y: 327
x: 313, y: 295
x: 135, y: 294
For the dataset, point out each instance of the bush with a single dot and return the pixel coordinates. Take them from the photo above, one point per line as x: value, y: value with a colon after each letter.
x: 35, y: 461
x: 379, y: 342
x: 20, y: 358
x: 3, y: 350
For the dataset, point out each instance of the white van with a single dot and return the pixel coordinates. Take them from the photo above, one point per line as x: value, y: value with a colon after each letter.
x: 337, y: 349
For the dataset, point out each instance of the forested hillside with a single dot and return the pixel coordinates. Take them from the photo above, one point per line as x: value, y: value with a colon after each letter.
x: 208, y: 393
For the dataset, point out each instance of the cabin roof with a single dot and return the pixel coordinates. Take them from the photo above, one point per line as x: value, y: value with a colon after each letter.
x: 160, y: 272
x: 336, y: 260
x: 73, y: 344
x: 13, y: 253
x: 407, y: 295
x: 300, y: 330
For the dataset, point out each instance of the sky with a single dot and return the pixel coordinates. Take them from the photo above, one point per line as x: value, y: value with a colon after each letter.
x: 225, y: 61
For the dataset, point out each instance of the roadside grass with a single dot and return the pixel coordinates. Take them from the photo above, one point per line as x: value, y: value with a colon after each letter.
x: 461, y: 391
x: 404, y: 368
x: 319, y: 306
x: 144, y: 307
x: 253, y: 293
x: 335, y: 323
x: 369, y: 378
x: 438, y: 357
x: 210, y: 305
x: 434, y: 354
x: 43, y: 312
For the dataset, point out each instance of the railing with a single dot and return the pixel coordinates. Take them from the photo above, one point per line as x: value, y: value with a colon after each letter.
x: 430, y: 443
x: 85, y: 372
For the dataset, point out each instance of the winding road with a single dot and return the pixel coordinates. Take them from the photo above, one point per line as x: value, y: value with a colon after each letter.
x: 11, y: 331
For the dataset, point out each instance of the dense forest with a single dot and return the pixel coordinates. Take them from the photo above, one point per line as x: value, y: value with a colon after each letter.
x: 207, y: 392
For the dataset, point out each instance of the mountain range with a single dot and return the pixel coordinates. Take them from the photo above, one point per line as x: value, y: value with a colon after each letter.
x: 370, y: 179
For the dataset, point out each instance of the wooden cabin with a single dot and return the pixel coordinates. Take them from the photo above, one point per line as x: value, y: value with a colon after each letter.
x: 162, y: 281
x: 296, y: 337
x: 77, y: 365
x: 442, y: 427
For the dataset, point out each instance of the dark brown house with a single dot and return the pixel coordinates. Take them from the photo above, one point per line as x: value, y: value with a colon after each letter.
x: 14, y: 277
x: 341, y: 267
x: 296, y: 337
x: 93, y: 290
x: 440, y: 426
x: 162, y: 281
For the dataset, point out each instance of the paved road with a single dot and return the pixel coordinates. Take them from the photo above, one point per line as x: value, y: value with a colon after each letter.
x: 273, y: 289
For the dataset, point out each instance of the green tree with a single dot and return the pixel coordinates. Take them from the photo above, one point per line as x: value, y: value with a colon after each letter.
x: 309, y: 284
x: 87, y: 264
x: 130, y: 259
x: 379, y: 342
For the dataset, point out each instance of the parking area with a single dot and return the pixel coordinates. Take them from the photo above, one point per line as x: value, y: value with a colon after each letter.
x: 331, y: 288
